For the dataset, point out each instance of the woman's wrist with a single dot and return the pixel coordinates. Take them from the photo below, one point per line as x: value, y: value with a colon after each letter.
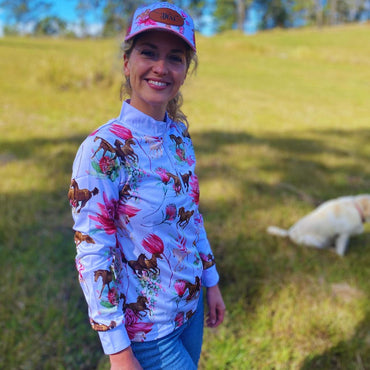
x: 124, y: 360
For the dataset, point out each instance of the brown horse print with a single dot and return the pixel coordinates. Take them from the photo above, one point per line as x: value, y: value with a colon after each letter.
x: 185, y: 179
x: 125, y: 151
x: 177, y: 139
x: 102, y: 327
x: 107, y: 277
x: 79, y: 238
x: 79, y: 197
x: 189, y: 314
x: 177, y: 183
x: 105, y: 146
x: 139, y: 307
x: 185, y: 217
x: 125, y: 192
x: 144, y: 264
x: 207, y: 261
x: 193, y: 289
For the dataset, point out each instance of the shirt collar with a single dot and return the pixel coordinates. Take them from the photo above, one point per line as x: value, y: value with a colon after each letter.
x: 141, y: 123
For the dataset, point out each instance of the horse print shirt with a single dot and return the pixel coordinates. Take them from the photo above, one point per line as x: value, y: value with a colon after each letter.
x: 142, y: 251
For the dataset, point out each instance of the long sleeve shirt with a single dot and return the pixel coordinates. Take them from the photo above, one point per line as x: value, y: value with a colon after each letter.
x: 142, y: 250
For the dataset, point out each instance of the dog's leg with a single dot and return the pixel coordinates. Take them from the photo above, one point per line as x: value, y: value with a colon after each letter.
x: 341, y: 244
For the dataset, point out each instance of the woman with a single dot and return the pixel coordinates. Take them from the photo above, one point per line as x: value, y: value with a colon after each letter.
x: 142, y: 251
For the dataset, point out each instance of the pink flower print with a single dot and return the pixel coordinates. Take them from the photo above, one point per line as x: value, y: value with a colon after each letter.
x: 107, y: 217
x: 181, y: 242
x: 128, y: 211
x: 121, y: 131
x: 181, y: 30
x: 180, y: 153
x: 181, y: 252
x: 194, y: 185
x: 80, y: 267
x: 171, y: 212
x: 113, y: 297
x: 94, y: 132
x: 163, y: 175
x: 190, y: 161
x: 179, y: 319
x: 144, y: 19
x: 106, y: 165
x: 180, y: 287
x: 136, y: 329
x: 153, y: 244
x: 199, y: 220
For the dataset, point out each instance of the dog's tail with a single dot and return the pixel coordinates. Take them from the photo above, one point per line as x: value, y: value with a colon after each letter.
x: 277, y: 231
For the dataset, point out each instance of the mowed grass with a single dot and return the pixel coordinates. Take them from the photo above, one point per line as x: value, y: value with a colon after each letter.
x: 280, y: 121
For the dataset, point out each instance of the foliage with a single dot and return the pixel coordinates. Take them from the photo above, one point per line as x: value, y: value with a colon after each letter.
x: 230, y: 13
x: 50, y: 26
x: 24, y: 10
x: 277, y: 13
x: 117, y: 13
x: 227, y: 14
x: 10, y: 30
x: 279, y: 121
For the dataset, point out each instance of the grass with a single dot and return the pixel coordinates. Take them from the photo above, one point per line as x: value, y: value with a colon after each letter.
x: 280, y: 121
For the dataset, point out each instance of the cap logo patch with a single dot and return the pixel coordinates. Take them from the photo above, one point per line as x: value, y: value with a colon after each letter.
x: 166, y: 16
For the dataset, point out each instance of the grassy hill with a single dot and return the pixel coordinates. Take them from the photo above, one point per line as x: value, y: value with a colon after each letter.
x: 280, y: 121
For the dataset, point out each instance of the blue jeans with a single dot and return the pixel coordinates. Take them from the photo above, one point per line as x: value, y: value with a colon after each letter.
x: 179, y: 350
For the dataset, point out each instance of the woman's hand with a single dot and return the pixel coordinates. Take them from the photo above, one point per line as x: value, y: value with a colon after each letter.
x: 216, y: 307
x: 124, y: 360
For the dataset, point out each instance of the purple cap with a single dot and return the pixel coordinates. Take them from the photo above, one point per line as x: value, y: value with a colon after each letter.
x: 163, y: 16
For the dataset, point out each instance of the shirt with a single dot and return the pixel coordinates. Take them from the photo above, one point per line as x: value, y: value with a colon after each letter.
x: 142, y: 250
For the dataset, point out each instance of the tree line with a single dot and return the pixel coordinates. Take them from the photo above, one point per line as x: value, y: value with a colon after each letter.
x: 225, y: 14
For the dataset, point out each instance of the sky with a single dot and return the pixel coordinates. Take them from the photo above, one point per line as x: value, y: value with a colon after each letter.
x: 66, y: 10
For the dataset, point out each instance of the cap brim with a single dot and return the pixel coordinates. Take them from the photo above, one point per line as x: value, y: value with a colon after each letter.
x: 157, y: 28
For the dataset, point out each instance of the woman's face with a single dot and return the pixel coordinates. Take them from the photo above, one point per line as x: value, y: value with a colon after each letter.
x: 157, y: 68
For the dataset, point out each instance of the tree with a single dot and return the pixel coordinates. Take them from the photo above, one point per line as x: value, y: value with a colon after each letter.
x: 277, y: 13
x: 321, y: 12
x: 340, y: 11
x: 50, y: 26
x: 24, y: 11
x: 116, y: 13
x: 230, y: 13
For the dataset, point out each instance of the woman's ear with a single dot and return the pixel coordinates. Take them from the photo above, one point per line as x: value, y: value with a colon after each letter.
x: 126, y: 67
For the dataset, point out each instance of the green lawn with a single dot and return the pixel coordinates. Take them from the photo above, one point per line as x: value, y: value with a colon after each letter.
x: 280, y: 121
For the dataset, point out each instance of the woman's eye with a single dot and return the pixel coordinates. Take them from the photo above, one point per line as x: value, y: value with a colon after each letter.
x: 148, y: 53
x: 176, y: 58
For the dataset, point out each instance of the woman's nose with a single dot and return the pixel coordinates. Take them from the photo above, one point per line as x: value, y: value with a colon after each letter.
x: 160, y: 67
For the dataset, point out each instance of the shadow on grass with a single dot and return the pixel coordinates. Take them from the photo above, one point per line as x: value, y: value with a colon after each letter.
x: 300, y: 163
x: 44, y: 322
x: 305, y: 176
x: 44, y: 315
x: 350, y: 354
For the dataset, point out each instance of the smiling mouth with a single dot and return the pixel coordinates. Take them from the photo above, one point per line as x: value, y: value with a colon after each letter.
x: 158, y: 83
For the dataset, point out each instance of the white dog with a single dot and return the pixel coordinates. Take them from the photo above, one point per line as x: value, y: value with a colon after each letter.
x: 330, y: 224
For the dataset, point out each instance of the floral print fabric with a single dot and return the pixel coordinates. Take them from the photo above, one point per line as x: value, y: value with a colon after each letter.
x: 142, y: 251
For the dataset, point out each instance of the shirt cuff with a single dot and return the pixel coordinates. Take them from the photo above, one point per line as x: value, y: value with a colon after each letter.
x: 114, y: 340
x: 210, y: 277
